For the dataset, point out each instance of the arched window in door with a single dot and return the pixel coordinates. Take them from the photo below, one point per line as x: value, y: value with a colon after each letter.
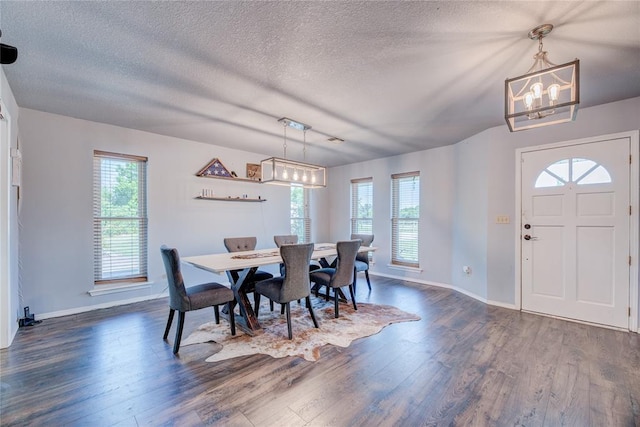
x: 576, y: 170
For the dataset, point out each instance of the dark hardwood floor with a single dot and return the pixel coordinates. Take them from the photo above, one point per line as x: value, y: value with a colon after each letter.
x: 464, y: 363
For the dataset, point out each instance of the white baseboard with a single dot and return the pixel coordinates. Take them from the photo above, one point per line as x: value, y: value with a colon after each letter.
x: 447, y: 286
x: 77, y: 310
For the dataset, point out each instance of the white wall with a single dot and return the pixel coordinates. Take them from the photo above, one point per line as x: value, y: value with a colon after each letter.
x: 469, y: 231
x: 56, y: 217
x: 464, y: 188
x: 600, y: 120
x: 9, y: 232
x: 437, y: 193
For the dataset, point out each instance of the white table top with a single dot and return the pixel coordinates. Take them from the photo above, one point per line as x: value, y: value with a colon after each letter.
x: 221, y: 262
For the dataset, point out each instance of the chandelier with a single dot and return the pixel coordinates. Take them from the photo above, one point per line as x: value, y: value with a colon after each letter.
x: 547, y: 94
x: 282, y: 171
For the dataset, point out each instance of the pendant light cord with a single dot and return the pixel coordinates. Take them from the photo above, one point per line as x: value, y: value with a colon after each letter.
x: 285, y: 140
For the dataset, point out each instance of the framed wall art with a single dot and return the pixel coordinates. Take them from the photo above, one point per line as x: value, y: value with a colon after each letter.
x: 254, y: 172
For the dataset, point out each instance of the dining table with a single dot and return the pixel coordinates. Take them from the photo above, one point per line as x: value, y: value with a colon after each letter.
x: 246, y: 263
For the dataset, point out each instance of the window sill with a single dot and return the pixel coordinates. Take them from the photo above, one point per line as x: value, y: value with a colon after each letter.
x: 113, y: 289
x: 405, y: 268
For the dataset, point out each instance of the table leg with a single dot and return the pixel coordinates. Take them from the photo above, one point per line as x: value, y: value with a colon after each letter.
x: 237, y: 286
x: 324, y: 263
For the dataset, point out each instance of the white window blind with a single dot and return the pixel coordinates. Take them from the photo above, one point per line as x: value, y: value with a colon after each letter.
x: 405, y: 218
x: 362, y: 206
x: 300, y: 220
x: 119, y: 217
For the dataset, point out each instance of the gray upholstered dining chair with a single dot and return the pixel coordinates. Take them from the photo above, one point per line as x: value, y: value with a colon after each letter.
x: 342, y: 274
x: 284, y: 239
x: 295, y: 284
x: 238, y: 244
x: 362, y: 259
x: 185, y: 299
x: 290, y: 239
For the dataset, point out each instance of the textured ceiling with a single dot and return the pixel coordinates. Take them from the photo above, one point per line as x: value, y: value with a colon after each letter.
x: 387, y: 77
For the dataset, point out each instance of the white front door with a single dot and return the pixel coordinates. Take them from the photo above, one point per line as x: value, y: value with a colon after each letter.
x: 575, y: 230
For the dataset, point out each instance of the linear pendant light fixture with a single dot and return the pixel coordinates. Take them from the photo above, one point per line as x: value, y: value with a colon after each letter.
x: 282, y: 171
x: 547, y: 94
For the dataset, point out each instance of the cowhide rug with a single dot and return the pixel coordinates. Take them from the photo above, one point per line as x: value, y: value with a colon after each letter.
x: 368, y: 320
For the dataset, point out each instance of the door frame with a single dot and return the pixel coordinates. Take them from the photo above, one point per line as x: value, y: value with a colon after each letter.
x: 6, y: 313
x: 634, y: 225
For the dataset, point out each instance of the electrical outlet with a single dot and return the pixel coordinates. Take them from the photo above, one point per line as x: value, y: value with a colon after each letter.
x: 502, y: 219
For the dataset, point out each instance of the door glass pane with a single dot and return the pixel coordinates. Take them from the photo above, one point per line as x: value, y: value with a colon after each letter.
x: 580, y: 167
x: 545, y: 179
x: 582, y: 171
x: 561, y: 169
x: 597, y: 176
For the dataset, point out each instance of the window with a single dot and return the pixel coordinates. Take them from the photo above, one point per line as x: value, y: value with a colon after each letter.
x: 580, y: 171
x: 119, y: 218
x: 300, y: 221
x: 405, y: 200
x: 362, y: 206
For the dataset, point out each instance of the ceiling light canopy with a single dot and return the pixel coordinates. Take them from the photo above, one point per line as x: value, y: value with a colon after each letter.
x: 282, y: 171
x: 547, y: 94
x: 294, y: 124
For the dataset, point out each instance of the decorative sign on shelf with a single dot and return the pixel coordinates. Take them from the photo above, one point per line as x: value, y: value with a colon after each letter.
x: 215, y: 168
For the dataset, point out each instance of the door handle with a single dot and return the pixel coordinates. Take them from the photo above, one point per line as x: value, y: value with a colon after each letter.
x: 528, y: 237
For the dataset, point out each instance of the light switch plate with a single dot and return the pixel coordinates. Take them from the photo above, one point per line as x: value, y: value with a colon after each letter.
x: 502, y: 219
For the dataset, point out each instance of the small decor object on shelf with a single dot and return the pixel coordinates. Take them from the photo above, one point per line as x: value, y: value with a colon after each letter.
x: 254, y: 172
x: 215, y: 168
x: 207, y: 192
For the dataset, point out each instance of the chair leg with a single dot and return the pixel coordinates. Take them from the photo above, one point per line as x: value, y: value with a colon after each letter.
x: 176, y: 342
x: 353, y: 297
x: 313, y: 315
x: 366, y: 273
x: 232, y: 319
x: 289, y: 320
x: 355, y: 278
x: 335, y: 304
x: 270, y: 306
x: 217, y: 313
x: 166, y: 331
x: 282, y: 308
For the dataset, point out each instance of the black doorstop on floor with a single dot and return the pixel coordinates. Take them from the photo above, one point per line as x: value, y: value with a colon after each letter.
x: 28, y: 319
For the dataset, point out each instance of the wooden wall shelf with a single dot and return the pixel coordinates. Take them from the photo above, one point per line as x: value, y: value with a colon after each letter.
x: 231, y: 199
x: 253, y: 181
